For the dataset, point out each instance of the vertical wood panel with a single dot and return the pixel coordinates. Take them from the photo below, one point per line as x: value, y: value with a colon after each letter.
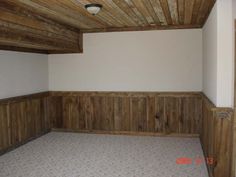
x: 122, y: 114
x: 109, y: 112
x: 216, y: 138
x: 172, y: 115
x: 55, y: 111
x: 45, y: 116
x: 21, y: 119
x: 36, y: 113
x: 70, y: 113
x: 160, y: 125
x: 100, y: 111
x: 139, y: 114
x: 151, y: 113
x: 24, y: 118
x: 222, y: 146
x: 103, y: 113
x: 4, y: 127
x: 16, y: 117
x: 84, y: 113
x: 191, y: 116
x: 133, y: 112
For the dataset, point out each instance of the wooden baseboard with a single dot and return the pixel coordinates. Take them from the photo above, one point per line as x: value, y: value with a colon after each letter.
x: 11, y: 148
x: 127, y: 133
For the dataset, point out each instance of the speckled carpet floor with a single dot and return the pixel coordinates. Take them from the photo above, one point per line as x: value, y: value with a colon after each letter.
x: 88, y: 155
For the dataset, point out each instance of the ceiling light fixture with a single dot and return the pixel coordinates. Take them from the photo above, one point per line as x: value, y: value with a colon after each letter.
x: 93, y: 8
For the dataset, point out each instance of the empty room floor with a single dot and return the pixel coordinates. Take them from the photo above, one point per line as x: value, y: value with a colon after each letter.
x: 89, y: 155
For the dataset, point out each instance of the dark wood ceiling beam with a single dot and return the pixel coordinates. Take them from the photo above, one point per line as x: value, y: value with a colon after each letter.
x: 25, y: 17
x: 16, y: 22
x: 37, y: 33
x: 60, y: 43
x: 22, y: 29
x: 22, y: 49
x: 28, y: 41
x: 140, y: 28
x: 19, y: 38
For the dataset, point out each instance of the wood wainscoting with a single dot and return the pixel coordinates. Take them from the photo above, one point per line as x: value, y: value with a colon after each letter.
x: 23, y: 118
x: 127, y: 112
x: 217, y: 138
x: 131, y: 113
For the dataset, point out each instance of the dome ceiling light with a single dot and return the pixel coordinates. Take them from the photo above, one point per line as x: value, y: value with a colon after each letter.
x: 93, y: 8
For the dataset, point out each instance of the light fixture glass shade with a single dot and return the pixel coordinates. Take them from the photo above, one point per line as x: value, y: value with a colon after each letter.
x: 93, y: 8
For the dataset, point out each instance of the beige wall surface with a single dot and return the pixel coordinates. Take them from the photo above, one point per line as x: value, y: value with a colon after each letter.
x: 168, y: 60
x: 218, y: 55
x: 210, y: 56
x: 22, y: 73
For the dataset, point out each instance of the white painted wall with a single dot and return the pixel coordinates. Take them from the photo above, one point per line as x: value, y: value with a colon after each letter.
x: 234, y: 9
x: 210, y: 56
x: 168, y: 60
x: 218, y: 55
x: 135, y: 61
x: 225, y: 54
x: 234, y: 47
x: 22, y: 73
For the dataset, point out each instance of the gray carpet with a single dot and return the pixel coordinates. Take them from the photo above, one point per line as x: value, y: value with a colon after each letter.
x: 87, y: 155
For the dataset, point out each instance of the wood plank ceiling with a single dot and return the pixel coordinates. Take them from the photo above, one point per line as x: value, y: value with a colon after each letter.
x: 56, y: 26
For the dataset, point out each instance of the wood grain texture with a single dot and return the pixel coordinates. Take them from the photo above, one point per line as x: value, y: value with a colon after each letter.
x: 22, y: 118
x: 131, y: 111
x: 205, y: 7
x: 22, y: 28
x: 153, y: 114
x: 54, y: 111
x: 188, y: 12
x: 119, y: 13
x: 216, y: 137
x: 57, y: 26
